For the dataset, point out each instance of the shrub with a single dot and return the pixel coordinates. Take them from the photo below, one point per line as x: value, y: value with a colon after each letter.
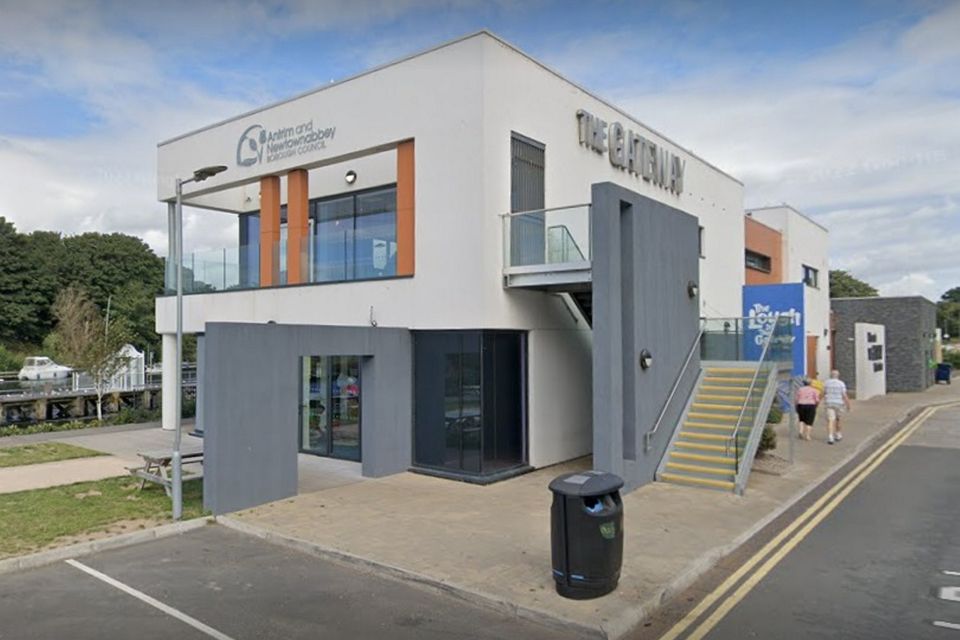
x: 9, y: 361
x: 768, y: 439
x: 189, y: 409
x: 134, y: 416
x: 775, y: 415
x: 951, y: 356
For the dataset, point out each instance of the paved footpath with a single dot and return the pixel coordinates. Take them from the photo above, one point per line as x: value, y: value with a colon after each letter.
x: 492, y: 543
x: 121, y: 442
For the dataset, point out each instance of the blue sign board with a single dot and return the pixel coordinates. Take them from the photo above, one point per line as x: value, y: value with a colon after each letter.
x: 761, y: 302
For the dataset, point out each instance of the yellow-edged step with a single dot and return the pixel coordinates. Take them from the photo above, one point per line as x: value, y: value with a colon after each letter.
x: 716, y: 407
x: 700, y: 457
x: 711, y: 437
x: 731, y: 382
x: 721, y: 399
x: 699, y: 468
x: 716, y: 417
x: 706, y: 425
x: 706, y: 482
x: 700, y: 446
x: 738, y: 370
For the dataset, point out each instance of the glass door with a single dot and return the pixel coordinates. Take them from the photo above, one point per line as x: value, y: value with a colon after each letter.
x: 469, y: 395
x: 330, y: 406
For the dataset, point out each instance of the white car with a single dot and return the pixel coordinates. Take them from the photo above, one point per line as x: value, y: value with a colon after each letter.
x: 43, y: 368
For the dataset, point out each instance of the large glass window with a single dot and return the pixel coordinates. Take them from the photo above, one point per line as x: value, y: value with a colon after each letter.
x: 469, y: 394
x: 352, y: 237
x: 330, y: 406
x: 355, y: 236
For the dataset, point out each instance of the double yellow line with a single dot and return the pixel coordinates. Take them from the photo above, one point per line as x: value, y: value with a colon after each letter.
x: 798, y: 529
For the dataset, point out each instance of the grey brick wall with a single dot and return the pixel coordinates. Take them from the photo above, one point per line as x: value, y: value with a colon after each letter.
x: 911, y: 326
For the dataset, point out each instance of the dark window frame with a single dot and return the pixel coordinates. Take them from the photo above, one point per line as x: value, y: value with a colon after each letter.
x: 811, y: 276
x: 757, y: 261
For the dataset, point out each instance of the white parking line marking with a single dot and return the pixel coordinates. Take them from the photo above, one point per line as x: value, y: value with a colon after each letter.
x: 951, y: 573
x: 947, y: 625
x: 950, y: 593
x: 153, y: 602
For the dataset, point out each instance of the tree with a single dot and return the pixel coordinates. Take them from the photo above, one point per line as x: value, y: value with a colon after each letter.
x: 951, y: 295
x: 21, y: 305
x: 88, y: 341
x: 948, y: 312
x: 844, y: 285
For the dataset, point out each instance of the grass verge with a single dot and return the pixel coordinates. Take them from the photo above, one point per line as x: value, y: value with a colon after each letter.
x: 42, y: 518
x: 43, y: 452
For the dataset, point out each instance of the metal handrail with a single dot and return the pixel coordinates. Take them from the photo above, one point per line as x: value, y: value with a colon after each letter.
x: 648, y: 436
x: 566, y: 231
x: 763, y: 356
x: 509, y: 214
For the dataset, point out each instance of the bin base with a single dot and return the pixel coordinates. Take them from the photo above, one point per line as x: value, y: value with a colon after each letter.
x: 586, y: 591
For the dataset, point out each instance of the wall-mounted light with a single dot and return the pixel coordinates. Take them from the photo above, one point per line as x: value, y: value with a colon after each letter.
x: 351, y: 176
x: 646, y: 359
x: 693, y: 289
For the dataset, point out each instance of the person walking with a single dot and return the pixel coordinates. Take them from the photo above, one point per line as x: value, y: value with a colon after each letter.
x: 806, y: 402
x: 836, y: 399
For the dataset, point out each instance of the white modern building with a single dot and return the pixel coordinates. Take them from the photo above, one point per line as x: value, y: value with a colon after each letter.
x: 785, y: 246
x: 388, y: 300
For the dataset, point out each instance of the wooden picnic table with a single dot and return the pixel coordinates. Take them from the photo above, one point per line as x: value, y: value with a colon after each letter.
x: 157, y: 466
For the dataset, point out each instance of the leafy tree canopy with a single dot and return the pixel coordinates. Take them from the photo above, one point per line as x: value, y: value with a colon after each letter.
x: 844, y: 285
x: 113, y: 267
x: 951, y: 295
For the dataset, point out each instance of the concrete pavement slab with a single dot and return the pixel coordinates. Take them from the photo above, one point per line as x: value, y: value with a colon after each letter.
x: 492, y: 542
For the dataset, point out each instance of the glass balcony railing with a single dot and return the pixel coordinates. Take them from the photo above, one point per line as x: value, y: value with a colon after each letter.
x: 557, y: 236
x: 338, y: 256
x: 216, y: 270
x: 743, y: 339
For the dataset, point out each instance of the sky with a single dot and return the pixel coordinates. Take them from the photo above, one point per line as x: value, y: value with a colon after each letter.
x: 848, y: 111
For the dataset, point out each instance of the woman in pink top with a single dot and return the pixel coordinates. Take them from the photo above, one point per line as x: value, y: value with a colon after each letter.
x: 806, y: 401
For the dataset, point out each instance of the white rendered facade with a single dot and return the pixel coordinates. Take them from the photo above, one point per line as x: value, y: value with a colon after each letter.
x: 805, y: 243
x: 460, y: 104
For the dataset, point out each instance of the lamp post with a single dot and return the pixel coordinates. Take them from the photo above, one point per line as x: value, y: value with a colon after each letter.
x: 198, y: 176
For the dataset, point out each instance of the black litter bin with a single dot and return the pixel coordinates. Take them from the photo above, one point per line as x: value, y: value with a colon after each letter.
x: 586, y: 533
x: 943, y: 372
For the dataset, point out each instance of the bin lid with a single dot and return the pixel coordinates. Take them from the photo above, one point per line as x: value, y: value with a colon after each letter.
x: 586, y: 483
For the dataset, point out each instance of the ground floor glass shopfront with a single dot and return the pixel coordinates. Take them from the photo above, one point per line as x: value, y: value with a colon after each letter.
x: 330, y: 417
x: 469, y: 402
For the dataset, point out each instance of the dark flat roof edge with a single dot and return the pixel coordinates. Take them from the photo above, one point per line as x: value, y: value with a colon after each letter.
x: 443, y: 45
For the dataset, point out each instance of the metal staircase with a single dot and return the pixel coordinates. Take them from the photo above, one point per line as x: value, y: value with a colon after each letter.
x: 701, y: 453
x: 720, y: 430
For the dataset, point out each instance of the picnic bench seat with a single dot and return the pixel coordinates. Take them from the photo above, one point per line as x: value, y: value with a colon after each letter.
x: 157, y: 466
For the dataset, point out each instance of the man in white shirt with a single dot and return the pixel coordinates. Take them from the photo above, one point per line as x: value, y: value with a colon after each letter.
x: 836, y: 398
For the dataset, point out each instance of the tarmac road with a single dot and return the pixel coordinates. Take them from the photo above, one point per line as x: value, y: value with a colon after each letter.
x: 884, y: 563
x: 217, y: 583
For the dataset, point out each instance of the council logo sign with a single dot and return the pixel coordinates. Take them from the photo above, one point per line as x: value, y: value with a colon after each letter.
x: 259, y: 145
x: 251, y: 144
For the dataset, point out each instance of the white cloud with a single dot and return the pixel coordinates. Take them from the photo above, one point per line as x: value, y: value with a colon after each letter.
x: 912, y: 284
x: 862, y: 136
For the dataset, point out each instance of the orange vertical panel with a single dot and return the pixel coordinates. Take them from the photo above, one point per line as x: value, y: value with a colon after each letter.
x: 406, y: 208
x: 298, y: 198
x: 812, y: 344
x: 269, y: 231
x: 768, y: 242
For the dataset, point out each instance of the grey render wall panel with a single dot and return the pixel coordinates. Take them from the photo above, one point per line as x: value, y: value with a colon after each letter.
x: 910, y: 326
x: 251, y: 405
x: 661, y: 246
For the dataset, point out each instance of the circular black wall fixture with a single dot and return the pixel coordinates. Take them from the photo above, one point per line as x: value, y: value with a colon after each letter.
x: 646, y: 359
